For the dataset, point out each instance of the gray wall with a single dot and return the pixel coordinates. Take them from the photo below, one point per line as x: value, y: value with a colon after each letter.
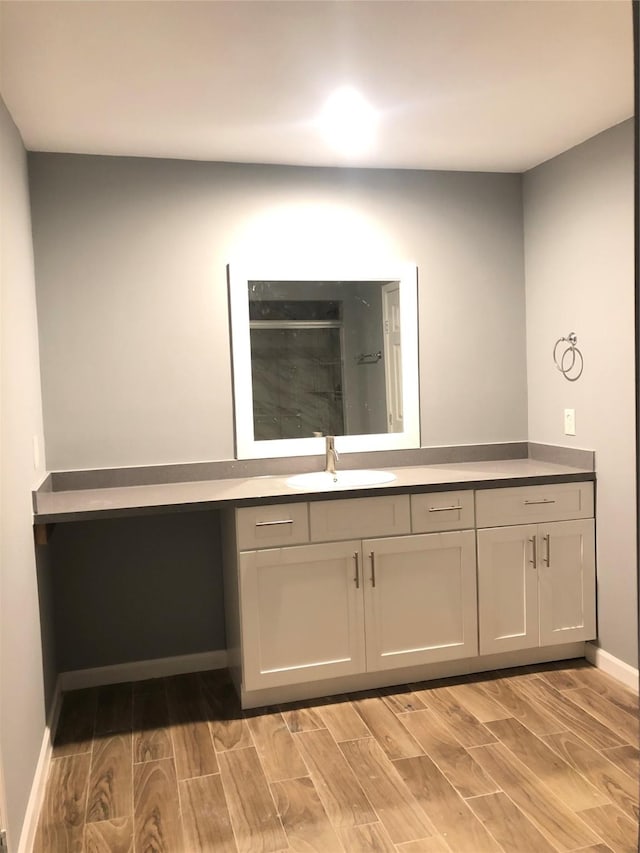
x: 579, y: 274
x: 130, y: 261
x: 22, y: 711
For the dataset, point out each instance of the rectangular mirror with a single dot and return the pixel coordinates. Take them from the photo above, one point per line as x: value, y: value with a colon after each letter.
x: 324, y: 353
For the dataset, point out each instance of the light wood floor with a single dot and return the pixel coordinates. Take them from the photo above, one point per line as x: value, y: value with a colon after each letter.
x: 529, y: 761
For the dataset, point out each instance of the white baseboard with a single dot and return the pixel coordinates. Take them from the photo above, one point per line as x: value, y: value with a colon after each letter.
x: 613, y: 666
x: 38, y: 786
x: 77, y: 679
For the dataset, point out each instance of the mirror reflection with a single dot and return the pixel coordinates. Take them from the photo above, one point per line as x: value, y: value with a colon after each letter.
x: 318, y: 353
x: 325, y: 358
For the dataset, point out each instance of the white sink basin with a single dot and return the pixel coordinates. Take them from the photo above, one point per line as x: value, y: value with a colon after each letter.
x: 325, y: 480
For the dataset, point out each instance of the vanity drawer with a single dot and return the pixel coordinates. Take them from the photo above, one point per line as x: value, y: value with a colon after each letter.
x: 272, y: 525
x: 359, y: 518
x: 555, y: 502
x: 442, y: 511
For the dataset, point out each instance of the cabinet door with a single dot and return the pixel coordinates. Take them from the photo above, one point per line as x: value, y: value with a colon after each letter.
x: 567, y: 582
x: 420, y: 599
x: 302, y: 614
x: 507, y: 589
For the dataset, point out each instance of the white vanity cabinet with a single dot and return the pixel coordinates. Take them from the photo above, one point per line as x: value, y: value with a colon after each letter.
x: 333, y: 595
x: 536, y: 581
x: 351, y: 603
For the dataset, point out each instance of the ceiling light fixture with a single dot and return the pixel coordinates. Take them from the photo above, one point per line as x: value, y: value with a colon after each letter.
x: 348, y: 122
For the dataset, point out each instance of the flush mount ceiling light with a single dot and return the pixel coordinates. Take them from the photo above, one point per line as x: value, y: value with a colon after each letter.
x: 348, y: 122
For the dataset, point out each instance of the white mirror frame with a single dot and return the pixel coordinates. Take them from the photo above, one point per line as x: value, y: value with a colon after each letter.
x: 238, y: 277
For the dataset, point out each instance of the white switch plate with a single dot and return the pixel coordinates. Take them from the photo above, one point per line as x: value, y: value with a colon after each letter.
x: 569, y: 421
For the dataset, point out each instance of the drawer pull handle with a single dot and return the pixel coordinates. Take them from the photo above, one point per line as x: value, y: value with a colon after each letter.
x: 273, y: 523
x: 372, y: 557
x: 443, y: 508
x: 547, y: 559
x: 357, y: 577
x: 534, y: 552
x: 536, y: 503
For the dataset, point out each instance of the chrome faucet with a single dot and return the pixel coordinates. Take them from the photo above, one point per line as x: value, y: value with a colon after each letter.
x: 331, y: 454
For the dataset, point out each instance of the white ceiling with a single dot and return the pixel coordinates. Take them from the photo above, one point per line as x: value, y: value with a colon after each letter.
x: 478, y: 85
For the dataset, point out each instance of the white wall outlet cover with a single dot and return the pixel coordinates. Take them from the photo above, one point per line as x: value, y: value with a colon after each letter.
x: 569, y: 421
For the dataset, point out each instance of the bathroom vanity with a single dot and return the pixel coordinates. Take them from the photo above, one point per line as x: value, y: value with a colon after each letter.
x: 326, y: 591
x: 446, y: 570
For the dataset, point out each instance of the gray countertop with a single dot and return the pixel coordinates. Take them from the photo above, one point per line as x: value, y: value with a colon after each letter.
x: 79, y: 504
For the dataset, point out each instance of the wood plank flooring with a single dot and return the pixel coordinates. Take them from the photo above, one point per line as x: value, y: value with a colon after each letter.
x: 534, y: 760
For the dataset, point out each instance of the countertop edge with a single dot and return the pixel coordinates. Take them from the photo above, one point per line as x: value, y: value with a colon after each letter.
x: 198, y: 505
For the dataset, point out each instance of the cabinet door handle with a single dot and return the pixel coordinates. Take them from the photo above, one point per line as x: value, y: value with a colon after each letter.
x: 357, y: 562
x: 273, y: 523
x: 443, y: 508
x: 547, y: 559
x: 372, y: 557
x: 534, y: 552
x: 537, y: 503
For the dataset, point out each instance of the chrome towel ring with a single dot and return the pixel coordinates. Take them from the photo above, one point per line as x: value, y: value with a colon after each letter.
x: 569, y: 359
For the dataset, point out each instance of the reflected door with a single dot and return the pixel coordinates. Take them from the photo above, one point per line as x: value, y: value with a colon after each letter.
x: 393, y: 356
